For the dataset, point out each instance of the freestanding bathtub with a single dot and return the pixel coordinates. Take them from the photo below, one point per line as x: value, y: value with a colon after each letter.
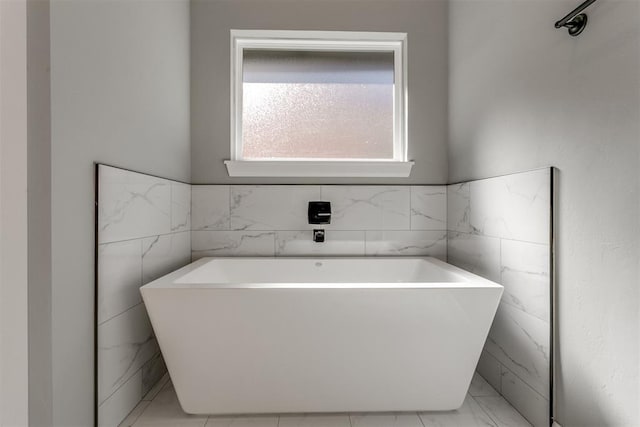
x: 282, y: 335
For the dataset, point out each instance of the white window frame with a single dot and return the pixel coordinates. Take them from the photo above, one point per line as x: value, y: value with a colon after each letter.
x: 399, y: 166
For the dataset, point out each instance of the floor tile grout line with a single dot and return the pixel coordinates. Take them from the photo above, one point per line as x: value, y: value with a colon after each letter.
x: 508, y: 403
x: 485, y: 411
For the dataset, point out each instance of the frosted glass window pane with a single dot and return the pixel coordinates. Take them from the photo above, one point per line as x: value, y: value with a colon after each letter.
x: 313, y: 105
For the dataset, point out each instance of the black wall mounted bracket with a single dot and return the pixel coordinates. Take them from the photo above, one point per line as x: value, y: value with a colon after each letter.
x: 575, y: 21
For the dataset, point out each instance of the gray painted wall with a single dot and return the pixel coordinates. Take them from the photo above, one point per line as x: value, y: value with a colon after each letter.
x: 14, y: 268
x: 524, y: 95
x: 120, y: 95
x: 39, y: 212
x: 425, y: 21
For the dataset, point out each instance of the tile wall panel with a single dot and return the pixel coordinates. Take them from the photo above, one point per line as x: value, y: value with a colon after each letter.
x: 119, y: 276
x: 210, y: 207
x: 428, y: 207
x: 458, y: 208
x: 232, y: 243
x: 113, y: 410
x: 368, y: 207
x: 125, y: 344
x: 271, y: 220
x: 477, y: 254
x: 132, y: 205
x: 407, y: 243
x: 144, y: 232
x: 163, y: 254
x: 500, y: 228
x: 520, y: 343
x: 271, y: 207
x: 180, y: 207
x: 515, y: 207
x: 524, y: 273
x: 531, y: 404
x: 338, y: 243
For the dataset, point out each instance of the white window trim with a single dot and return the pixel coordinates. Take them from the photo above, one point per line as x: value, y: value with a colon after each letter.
x: 399, y: 166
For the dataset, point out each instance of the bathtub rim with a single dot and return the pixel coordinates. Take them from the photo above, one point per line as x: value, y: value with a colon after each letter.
x: 472, y: 280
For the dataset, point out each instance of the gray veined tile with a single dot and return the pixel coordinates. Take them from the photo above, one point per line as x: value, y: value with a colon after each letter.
x: 477, y: 254
x: 243, y: 421
x: 314, y: 420
x: 337, y: 243
x: 429, y: 207
x: 521, y: 343
x: 116, y: 408
x: 490, y: 369
x: 503, y: 414
x: 153, y: 373
x: 368, y: 207
x: 180, y: 207
x: 525, y: 277
x: 407, y: 243
x: 480, y: 387
x: 119, y: 277
x: 163, y: 254
x: 134, y: 414
x: 165, y: 410
x: 125, y: 344
x: 229, y: 243
x: 271, y: 207
x: 513, y: 206
x: 151, y: 394
x: 131, y: 205
x: 470, y: 414
x: 385, y: 420
x: 210, y: 207
x: 530, y: 404
x: 458, y: 208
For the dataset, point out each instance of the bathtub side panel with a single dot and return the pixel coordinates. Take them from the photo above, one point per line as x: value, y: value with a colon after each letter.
x: 320, y: 350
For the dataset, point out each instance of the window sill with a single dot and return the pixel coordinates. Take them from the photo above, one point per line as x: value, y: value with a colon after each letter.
x: 360, y: 169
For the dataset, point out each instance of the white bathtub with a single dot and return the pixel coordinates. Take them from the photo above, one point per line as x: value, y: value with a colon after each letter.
x: 280, y: 335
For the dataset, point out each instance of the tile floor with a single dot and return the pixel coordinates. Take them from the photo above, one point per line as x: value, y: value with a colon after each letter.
x: 482, y: 407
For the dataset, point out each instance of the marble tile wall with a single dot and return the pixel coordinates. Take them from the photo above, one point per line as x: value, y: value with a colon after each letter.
x: 500, y: 229
x: 271, y: 220
x: 144, y: 227
x: 497, y: 228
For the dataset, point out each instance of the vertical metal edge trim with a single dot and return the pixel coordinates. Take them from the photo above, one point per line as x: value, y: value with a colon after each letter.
x: 95, y: 299
x: 553, y: 296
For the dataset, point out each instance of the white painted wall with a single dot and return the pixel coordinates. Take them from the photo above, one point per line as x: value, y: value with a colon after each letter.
x: 13, y: 215
x: 120, y: 95
x: 525, y: 95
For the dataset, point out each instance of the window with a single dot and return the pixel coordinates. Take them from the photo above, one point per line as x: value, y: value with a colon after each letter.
x: 309, y: 103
